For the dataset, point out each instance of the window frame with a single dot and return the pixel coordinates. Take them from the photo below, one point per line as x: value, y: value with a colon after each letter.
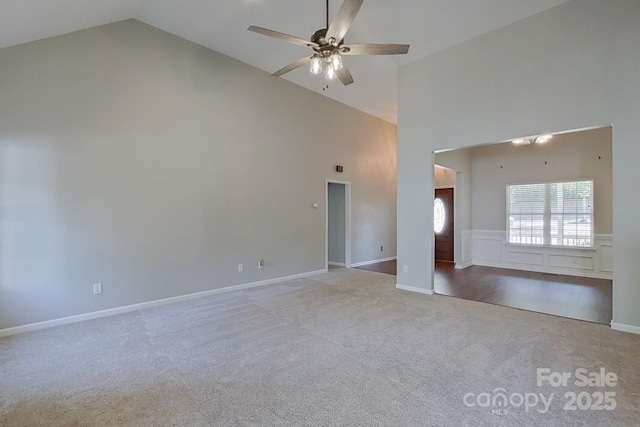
x: 547, y: 215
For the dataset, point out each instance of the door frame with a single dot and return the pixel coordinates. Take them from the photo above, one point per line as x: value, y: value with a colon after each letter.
x: 457, y: 236
x: 347, y: 221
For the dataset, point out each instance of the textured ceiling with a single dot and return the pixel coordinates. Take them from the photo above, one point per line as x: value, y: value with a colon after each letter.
x: 427, y: 25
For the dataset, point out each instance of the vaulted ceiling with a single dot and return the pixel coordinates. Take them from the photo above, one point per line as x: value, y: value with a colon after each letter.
x: 427, y: 25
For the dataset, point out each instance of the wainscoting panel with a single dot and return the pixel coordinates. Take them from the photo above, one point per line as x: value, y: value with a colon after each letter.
x: 489, y: 248
x: 569, y: 261
x: 605, y: 251
x: 528, y: 258
x: 466, y: 245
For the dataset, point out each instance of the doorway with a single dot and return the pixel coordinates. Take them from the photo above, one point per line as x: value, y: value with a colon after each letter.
x: 338, y: 224
x: 489, y: 266
x: 443, y: 224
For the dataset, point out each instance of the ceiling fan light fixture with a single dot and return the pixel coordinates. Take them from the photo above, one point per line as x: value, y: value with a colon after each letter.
x: 336, y: 60
x: 330, y: 72
x: 543, y: 138
x: 316, y: 65
x: 540, y: 139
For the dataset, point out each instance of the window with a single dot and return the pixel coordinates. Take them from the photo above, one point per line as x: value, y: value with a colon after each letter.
x: 438, y: 215
x: 554, y: 213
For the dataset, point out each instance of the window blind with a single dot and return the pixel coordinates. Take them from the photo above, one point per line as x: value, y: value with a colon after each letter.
x: 556, y: 213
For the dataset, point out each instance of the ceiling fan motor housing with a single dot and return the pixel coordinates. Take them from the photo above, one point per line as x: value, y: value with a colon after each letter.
x: 325, y: 49
x: 318, y: 37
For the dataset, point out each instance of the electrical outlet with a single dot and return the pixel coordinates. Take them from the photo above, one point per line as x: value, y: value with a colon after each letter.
x: 97, y: 288
x: 405, y: 268
x: 240, y: 268
x: 260, y: 264
x: 380, y: 248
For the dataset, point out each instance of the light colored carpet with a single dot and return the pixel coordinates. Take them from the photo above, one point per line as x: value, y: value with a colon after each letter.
x: 342, y: 348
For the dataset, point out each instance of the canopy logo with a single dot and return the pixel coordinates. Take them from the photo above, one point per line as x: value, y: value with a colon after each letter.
x: 595, y: 398
x: 500, y: 401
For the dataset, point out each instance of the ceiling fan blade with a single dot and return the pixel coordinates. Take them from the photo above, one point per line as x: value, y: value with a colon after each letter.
x: 344, y: 75
x: 343, y: 20
x: 376, y: 49
x: 281, y: 36
x: 299, y: 63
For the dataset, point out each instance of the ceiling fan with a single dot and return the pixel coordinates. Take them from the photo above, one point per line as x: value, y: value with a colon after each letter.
x: 328, y: 45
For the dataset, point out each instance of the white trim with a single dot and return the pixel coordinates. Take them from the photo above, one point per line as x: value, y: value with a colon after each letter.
x: 466, y: 243
x: 134, y: 307
x: 463, y: 265
x: 347, y: 221
x: 336, y: 264
x: 490, y: 233
x: 414, y: 289
x: 373, y: 261
x: 625, y: 328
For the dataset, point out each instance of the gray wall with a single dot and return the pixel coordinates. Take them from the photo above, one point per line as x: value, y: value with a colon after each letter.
x: 336, y: 219
x: 571, y: 67
x: 444, y: 177
x: 574, y: 156
x: 134, y: 158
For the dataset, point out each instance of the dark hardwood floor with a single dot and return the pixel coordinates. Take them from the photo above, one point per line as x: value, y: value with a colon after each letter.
x: 387, y: 267
x: 567, y: 296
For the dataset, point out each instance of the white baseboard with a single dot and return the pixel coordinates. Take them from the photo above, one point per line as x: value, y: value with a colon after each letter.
x: 375, y: 261
x: 336, y: 264
x: 134, y: 307
x: 625, y: 328
x: 463, y: 265
x: 414, y: 289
